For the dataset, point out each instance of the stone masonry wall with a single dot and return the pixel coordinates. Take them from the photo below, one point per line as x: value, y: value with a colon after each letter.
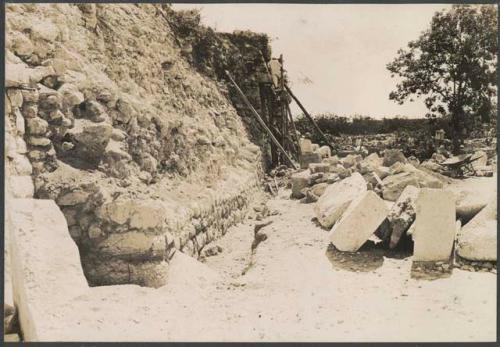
x: 143, y: 154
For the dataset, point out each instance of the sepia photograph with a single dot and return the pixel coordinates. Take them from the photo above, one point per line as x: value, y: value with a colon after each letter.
x: 250, y: 172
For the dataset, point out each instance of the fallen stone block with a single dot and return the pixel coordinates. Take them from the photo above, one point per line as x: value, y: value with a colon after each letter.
x: 22, y: 187
x: 477, y: 240
x: 392, y: 156
x: 314, y: 193
x: 351, y: 160
x: 337, y: 197
x: 373, y: 161
x: 46, y: 269
x: 397, y: 168
x: 402, y: 214
x: 319, y: 167
x: 373, y: 178
x: 340, y: 170
x: 435, y: 230
x: 325, y: 151
x: 308, y: 158
x: 382, y: 171
x: 480, y: 159
x: 305, y: 146
x: 299, y: 181
x: 359, y: 222
x: 332, y: 160
x: 394, y: 185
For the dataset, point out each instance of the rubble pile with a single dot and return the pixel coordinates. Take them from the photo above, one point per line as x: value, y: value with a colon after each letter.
x: 385, y: 199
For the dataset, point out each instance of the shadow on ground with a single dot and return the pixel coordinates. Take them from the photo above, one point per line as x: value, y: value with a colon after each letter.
x: 368, y: 258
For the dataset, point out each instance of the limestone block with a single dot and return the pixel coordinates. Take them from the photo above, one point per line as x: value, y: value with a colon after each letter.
x: 15, y: 97
x: 20, y: 126
x: 394, y: 185
x: 140, y: 214
x: 21, y: 45
x: 16, y: 75
x: 481, y: 161
x: 319, y: 167
x: 22, y: 165
x: 332, y: 160
x: 373, y: 178
x: 39, y: 141
x: 359, y: 222
x: 382, y: 171
x: 372, y: 161
x: 71, y: 96
x: 434, y: 233
x: 72, y: 198
x: 392, y: 156
x: 90, y: 138
x: 477, y: 240
x: 308, y: 158
x: 402, y: 214
x: 314, y: 147
x: 351, y: 160
x: 299, y: 181
x: 22, y: 186
x: 325, y: 151
x: 340, y: 170
x: 133, y: 244
x: 336, y: 199
x: 305, y: 146
x: 37, y: 126
x: 46, y: 270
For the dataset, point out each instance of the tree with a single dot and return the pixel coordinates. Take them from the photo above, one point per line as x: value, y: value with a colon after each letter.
x: 453, y: 65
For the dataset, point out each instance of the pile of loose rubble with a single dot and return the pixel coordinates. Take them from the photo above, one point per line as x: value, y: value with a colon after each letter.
x: 385, y: 199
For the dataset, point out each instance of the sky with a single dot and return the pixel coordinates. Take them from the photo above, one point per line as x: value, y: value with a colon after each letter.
x: 335, y: 54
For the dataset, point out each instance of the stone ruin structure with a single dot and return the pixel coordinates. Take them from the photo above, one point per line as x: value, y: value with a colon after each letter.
x: 131, y: 130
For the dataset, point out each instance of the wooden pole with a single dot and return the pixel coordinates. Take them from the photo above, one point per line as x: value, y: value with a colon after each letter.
x: 259, y: 119
x: 308, y: 115
x: 295, y: 136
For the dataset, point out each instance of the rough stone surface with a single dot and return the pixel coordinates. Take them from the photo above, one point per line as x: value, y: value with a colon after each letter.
x: 477, y: 240
x: 392, y: 156
x: 402, y: 214
x: 299, y: 181
x: 394, y: 185
x: 308, y: 158
x: 359, y: 222
x: 336, y: 199
x: 435, y: 230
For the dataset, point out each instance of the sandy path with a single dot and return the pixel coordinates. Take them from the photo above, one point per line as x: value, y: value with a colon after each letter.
x: 292, y: 293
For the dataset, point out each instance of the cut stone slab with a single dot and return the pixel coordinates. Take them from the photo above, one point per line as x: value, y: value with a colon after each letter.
x: 402, y: 214
x: 46, y: 269
x: 477, y: 240
x: 435, y: 230
x: 359, y: 222
x: 337, y: 197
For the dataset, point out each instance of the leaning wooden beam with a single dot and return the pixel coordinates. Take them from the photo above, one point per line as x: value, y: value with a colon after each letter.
x: 249, y: 105
x: 292, y: 123
x: 307, y: 115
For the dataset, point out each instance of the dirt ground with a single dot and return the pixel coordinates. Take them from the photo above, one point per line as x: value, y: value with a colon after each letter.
x: 297, y: 290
